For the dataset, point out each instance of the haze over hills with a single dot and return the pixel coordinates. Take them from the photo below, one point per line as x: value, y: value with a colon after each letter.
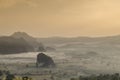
x: 9, y: 45
x: 60, y: 40
x: 33, y: 44
x: 31, y: 40
x: 74, y: 56
x: 19, y: 42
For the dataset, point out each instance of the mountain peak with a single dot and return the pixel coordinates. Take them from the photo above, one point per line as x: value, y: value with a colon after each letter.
x: 20, y: 35
x: 31, y: 40
x: 25, y: 36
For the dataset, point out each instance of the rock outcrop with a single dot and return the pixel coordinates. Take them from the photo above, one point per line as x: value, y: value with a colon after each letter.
x: 44, y: 61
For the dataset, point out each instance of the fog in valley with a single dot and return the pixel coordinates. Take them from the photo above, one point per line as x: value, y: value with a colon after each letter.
x: 72, y: 56
x: 59, y: 40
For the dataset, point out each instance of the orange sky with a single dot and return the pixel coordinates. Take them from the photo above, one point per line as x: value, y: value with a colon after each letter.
x: 45, y: 18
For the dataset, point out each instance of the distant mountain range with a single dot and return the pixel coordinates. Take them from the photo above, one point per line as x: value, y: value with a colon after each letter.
x: 60, y: 40
x: 22, y: 42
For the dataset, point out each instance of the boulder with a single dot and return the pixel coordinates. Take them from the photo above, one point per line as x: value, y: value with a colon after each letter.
x: 44, y: 61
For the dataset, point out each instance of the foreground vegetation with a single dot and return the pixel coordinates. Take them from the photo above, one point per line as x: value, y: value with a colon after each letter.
x: 115, y: 76
x: 6, y: 75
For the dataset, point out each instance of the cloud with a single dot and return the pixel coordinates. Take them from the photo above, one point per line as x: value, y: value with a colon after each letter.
x: 11, y: 3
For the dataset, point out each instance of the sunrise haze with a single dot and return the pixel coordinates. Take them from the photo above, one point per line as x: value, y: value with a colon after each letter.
x: 67, y: 18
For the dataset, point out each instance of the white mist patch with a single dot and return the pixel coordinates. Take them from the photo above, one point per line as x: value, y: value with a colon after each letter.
x: 80, y: 58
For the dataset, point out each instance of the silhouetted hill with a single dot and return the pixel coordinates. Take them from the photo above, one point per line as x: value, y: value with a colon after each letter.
x: 9, y: 45
x: 31, y: 40
x: 19, y: 42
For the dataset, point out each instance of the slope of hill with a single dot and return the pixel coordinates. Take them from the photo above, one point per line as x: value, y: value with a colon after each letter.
x: 19, y: 42
x: 31, y: 40
x: 9, y: 45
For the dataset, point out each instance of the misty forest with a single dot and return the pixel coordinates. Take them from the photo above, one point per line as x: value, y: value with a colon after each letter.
x: 23, y: 57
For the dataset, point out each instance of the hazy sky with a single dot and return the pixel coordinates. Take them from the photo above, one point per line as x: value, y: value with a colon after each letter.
x: 45, y: 18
